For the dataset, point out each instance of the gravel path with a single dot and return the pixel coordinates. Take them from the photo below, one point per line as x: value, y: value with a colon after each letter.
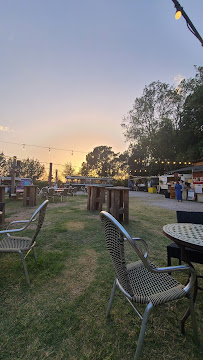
x: 171, y: 204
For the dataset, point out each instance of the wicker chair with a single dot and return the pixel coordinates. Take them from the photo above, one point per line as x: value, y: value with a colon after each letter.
x: 15, y: 244
x: 142, y: 282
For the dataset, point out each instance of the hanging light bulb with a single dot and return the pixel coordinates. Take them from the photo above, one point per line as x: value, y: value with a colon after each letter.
x: 23, y: 146
x: 49, y: 150
x: 178, y: 14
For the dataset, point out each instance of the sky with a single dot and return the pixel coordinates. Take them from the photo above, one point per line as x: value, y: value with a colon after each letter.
x: 70, y: 70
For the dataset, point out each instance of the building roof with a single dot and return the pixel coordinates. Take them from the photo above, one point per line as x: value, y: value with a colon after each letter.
x: 187, y: 169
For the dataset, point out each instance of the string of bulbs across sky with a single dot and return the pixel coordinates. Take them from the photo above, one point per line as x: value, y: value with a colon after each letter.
x: 49, y: 148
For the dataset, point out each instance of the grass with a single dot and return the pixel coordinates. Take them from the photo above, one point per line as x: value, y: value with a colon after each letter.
x: 62, y: 314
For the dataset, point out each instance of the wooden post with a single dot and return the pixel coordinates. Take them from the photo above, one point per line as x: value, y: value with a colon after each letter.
x: 2, y: 200
x: 13, y: 175
x: 50, y: 174
x: 30, y: 195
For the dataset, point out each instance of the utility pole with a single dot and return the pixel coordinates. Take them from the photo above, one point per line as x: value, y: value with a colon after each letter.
x: 50, y: 174
x: 13, y: 175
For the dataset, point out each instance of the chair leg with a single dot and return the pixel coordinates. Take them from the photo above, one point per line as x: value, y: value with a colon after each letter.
x: 169, y: 259
x: 111, y: 298
x: 142, y: 331
x: 25, y: 267
x: 193, y: 318
x: 35, y: 254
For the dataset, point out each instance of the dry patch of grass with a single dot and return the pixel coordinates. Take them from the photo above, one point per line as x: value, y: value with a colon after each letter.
x: 75, y: 225
x: 77, y: 276
x: 79, y: 280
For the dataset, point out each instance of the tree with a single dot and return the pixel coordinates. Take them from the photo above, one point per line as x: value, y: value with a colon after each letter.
x: 102, y: 161
x: 31, y: 168
x: 68, y: 170
x: 190, y: 136
x: 162, y: 123
x: 158, y: 101
x: 28, y: 167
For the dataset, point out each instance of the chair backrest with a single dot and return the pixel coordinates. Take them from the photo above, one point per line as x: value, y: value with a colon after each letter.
x: 40, y: 213
x: 189, y: 217
x: 51, y: 191
x: 114, y: 235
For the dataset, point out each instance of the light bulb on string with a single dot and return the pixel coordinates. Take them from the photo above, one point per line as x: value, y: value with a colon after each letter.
x: 178, y: 14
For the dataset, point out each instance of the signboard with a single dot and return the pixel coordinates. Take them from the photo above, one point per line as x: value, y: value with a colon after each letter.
x: 191, y: 195
x: 25, y: 182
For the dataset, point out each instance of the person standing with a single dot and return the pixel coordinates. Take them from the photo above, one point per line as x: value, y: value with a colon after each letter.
x: 178, y: 191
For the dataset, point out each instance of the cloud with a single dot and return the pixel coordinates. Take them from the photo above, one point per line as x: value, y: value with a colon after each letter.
x: 4, y: 128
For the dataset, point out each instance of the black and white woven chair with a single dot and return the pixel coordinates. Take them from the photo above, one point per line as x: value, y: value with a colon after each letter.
x: 18, y: 244
x: 173, y: 250
x: 142, y: 282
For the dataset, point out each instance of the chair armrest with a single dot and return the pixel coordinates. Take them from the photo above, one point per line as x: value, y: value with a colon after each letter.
x: 169, y: 269
x: 145, y: 245
x: 9, y: 231
x: 17, y: 222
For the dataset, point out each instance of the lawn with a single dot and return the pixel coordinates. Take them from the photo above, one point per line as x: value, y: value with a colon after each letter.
x: 62, y: 314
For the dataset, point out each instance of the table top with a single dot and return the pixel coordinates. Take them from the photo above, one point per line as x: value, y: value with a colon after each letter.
x: 186, y: 234
x: 118, y: 188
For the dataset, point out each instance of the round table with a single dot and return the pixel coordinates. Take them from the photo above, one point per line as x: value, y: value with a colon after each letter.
x: 190, y: 236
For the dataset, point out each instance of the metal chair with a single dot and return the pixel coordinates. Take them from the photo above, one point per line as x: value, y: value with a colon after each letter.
x: 142, y: 282
x: 173, y: 250
x: 15, y: 244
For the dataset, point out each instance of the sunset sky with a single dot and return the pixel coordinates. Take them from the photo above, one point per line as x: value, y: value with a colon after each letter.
x: 71, y: 69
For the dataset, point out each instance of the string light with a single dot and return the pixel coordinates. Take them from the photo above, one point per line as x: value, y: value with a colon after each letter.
x: 44, y: 147
x: 165, y: 162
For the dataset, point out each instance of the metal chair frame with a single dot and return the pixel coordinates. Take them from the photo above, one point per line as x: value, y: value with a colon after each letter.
x: 12, y: 244
x: 115, y: 234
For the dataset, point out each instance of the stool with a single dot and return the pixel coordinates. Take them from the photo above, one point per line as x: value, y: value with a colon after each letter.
x: 96, y: 197
x: 118, y: 202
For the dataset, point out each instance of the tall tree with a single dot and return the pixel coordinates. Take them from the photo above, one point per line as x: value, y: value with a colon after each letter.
x: 166, y: 122
x: 68, y: 170
x: 31, y: 168
x: 190, y: 136
x: 101, y: 161
x: 28, y: 167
